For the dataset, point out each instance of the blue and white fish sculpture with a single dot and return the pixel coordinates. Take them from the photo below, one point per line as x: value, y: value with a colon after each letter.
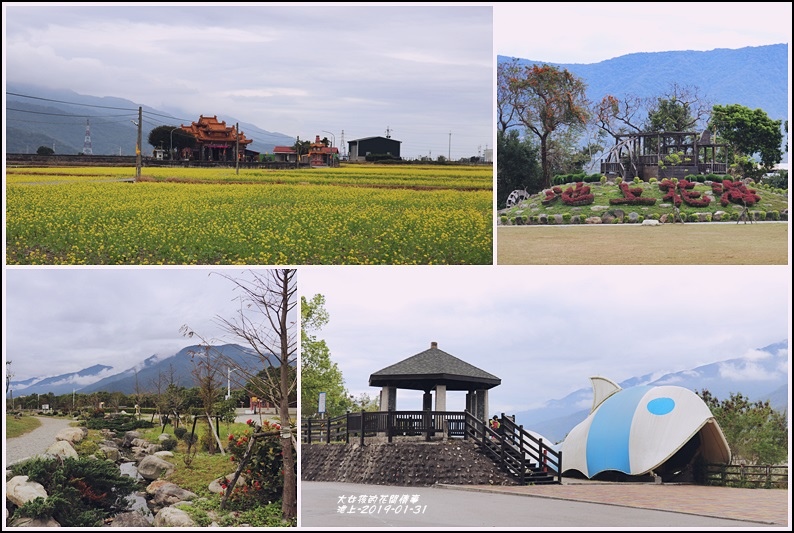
x: 636, y: 430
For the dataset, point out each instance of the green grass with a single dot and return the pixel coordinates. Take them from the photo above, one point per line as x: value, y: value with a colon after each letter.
x: 771, y: 200
x: 19, y: 426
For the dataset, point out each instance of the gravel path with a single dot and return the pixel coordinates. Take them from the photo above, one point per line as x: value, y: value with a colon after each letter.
x: 35, y: 442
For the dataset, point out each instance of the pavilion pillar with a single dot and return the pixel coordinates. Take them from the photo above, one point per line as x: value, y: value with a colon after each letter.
x: 427, y: 401
x: 388, y: 399
x: 481, y: 404
x: 441, y: 397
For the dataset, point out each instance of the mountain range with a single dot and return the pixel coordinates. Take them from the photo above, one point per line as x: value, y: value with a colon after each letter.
x: 57, y: 117
x: 760, y: 377
x: 142, y: 376
x: 755, y: 76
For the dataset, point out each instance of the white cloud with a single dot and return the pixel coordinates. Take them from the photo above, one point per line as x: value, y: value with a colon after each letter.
x: 746, y: 371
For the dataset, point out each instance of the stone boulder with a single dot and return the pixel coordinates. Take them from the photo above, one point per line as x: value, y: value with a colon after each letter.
x: 35, y: 522
x: 72, y: 435
x: 170, y: 493
x: 130, y: 436
x: 130, y: 519
x: 173, y: 517
x: 62, y: 449
x: 152, y: 467
x: 20, y: 490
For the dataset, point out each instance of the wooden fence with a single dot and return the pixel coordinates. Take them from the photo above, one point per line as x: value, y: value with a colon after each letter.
x: 756, y: 476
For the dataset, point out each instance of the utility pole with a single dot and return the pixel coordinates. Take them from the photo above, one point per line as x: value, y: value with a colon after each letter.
x: 237, y: 147
x: 138, y: 161
x: 449, y: 149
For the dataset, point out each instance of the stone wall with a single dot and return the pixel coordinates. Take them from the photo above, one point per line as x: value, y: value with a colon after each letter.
x: 401, y: 463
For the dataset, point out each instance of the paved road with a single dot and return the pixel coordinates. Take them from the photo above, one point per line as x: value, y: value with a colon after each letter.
x: 321, y: 505
x: 35, y: 442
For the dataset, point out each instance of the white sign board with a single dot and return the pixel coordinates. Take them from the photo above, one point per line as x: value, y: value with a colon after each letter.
x: 321, y: 403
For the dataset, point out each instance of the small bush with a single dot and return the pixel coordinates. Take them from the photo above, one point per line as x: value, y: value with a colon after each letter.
x: 81, y: 492
x: 180, y: 432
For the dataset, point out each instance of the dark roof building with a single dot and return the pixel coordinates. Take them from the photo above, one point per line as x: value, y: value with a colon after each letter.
x: 435, y: 369
x: 359, y: 149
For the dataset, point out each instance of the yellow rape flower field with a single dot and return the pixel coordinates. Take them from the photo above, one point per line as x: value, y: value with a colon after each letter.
x: 352, y: 215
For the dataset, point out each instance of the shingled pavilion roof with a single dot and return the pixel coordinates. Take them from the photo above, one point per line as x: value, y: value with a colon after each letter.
x: 432, y: 367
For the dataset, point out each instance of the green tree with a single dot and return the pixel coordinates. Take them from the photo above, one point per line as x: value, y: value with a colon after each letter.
x: 517, y: 165
x: 171, y: 137
x: 45, y: 150
x: 751, y: 134
x: 547, y: 99
x: 318, y: 372
x: 679, y: 109
x: 365, y: 402
x: 756, y: 433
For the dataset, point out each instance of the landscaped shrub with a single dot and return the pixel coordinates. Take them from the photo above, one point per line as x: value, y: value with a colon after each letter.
x: 264, y: 475
x: 118, y: 423
x: 168, y: 444
x: 566, y: 218
x: 577, y: 195
x: 81, y: 492
x: 775, y: 215
x: 180, y: 432
x: 692, y: 217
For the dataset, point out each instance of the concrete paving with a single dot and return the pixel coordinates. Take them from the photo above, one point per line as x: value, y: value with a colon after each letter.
x: 590, y: 506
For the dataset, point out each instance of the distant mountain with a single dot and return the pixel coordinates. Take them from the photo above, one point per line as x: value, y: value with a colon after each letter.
x: 760, y: 377
x: 102, y: 378
x: 62, y: 384
x: 45, y: 120
x: 754, y: 76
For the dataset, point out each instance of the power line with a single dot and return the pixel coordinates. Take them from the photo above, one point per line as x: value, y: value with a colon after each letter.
x: 89, y: 105
x: 70, y: 103
x: 61, y: 114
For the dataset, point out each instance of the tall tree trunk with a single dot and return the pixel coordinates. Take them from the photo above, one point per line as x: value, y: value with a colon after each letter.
x: 289, y: 497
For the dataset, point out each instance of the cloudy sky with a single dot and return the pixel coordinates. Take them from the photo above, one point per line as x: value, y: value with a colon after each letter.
x: 61, y: 320
x: 590, y: 32
x: 423, y: 72
x: 546, y: 330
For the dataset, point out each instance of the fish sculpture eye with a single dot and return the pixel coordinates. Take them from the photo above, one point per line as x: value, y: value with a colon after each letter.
x: 661, y: 406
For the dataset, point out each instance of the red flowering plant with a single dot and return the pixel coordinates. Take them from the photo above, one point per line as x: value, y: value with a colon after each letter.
x: 262, y: 478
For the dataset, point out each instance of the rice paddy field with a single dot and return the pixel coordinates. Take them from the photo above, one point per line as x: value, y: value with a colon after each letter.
x: 354, y: 215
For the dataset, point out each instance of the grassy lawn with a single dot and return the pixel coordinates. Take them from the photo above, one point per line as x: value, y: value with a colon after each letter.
x: 632, y: 244
x: 19, y: 426
x: 772, y: 201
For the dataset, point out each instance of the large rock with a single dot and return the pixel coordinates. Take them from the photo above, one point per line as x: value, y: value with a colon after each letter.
x: 62, y: 449
x: 152, y: 467
x: 130, y: 436
x: 20, y: 490
x: 130, y: 519
x: 171, y: 493
x: 35, y: 522
x: 216, y: 488
x: 173, y: 517
x: 72, y: 435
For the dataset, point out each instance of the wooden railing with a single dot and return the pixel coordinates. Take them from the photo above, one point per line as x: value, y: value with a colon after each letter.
x: 758, y: 476
x: 511, y: 447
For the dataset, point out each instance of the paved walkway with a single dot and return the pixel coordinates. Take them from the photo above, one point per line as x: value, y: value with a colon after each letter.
x: 766, y: 506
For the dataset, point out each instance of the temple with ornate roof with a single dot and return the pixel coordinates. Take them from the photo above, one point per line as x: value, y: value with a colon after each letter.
x: 215, y: 141
x: 322, y: 155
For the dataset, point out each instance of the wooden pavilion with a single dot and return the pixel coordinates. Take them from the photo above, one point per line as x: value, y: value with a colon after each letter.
x: 437, y: 371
